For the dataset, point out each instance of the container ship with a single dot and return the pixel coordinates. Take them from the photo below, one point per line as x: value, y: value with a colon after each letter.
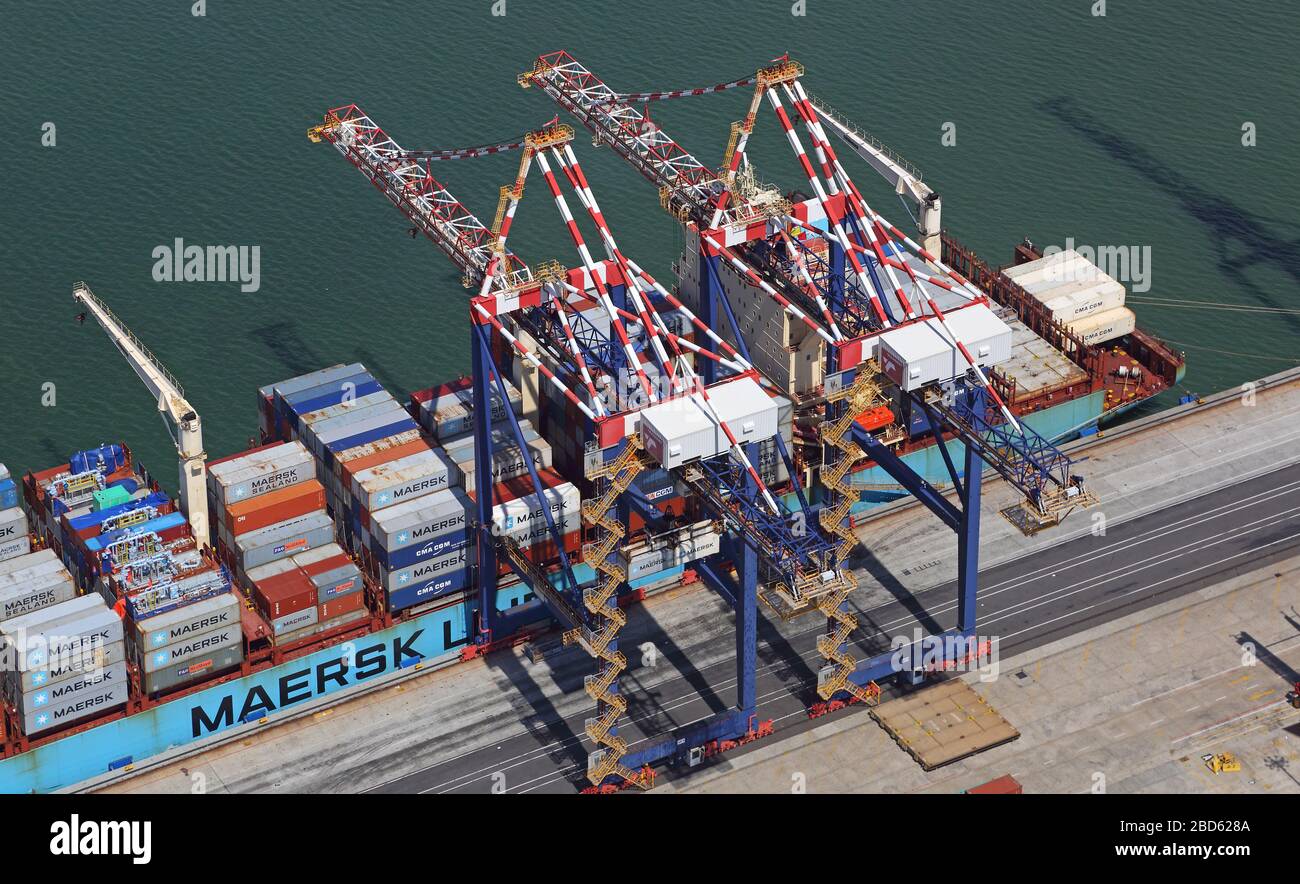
x: 352, y: 546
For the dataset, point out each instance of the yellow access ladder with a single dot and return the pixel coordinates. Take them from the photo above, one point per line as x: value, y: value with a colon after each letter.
x: 864, y: 393
x: 602, y: 602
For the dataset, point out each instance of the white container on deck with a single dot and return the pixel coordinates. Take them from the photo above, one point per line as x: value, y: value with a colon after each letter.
x: 1105, y: 326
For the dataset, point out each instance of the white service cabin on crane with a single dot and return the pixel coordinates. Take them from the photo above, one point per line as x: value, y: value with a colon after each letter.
x: 181, y: 419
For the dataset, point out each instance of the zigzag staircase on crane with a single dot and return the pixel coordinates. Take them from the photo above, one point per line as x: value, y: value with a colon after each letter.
x: 607, y: 618
x: 864, y: 393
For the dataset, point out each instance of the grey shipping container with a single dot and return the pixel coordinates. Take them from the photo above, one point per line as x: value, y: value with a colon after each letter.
x: 433, y: 515
x: 15, y: 548
x: 313, y: 629
x: 189, y: 670
x: 75, y: 710
x: 295, y: 621
x: 284, y: 539
x: 154, y: 659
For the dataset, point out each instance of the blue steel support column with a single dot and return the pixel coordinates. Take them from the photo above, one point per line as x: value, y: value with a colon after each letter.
x: 968, y: 544
x: 747, y: 615
x: 708, y: 312
x: 837, y: 271
x: 481, y: 360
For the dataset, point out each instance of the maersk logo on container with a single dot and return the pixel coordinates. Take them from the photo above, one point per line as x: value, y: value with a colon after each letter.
x: 181, y: 263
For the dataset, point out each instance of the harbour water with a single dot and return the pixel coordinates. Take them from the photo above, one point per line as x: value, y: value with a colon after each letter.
x: 1119, y: 130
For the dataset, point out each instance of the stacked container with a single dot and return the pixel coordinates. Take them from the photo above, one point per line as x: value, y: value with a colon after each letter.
x: 33, y: 581
x: 309, y: 593
x: 71, y: 663
x: 189, y: 642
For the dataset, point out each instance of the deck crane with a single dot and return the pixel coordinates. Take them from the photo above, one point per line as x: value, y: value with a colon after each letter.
x: 182, y: 421
x: 528, y: 307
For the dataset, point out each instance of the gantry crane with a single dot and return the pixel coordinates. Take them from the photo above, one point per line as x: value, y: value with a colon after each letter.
x: 180, y: 418
x: 528, y: 307
x: 865, y: 280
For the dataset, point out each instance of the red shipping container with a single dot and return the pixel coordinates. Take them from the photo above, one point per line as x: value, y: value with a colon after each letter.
x: 353, y: 601
x: 278, y: 506
x: 329, y: 564
x: 284, y: 594
x: 1003, y: 785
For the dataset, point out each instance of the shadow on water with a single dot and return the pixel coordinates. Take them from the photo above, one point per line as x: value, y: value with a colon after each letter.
x: 1241, y: 238
x: 289, y: 346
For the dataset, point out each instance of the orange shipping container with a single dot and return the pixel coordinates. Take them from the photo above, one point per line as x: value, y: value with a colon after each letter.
x: 278, y: 506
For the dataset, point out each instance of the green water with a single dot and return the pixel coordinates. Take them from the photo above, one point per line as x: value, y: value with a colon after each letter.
x: 1118, y: 130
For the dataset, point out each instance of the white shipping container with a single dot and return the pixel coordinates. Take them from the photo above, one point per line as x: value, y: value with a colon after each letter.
x: 23, y: 576
x: 1105, y: 326
x: 70, y: 690
x: 403, y: 479
x: 508, y: 462
x: 293, y: 468
x: 922, y: 353
x: 50, y: 589
x: 65, y: 669
x: 1053, y: 269
x: 523, y: 518
x: 75, y: 710
x: 684, y: 429
x: 28, y: 560
x: 15, y: 548
x: 13, y: 524
x: 252, y: 458
x: 284, y: 539
x: 423, y: 518
x: 696, y: 542
x: 153, y: 659
x: 66, y: 638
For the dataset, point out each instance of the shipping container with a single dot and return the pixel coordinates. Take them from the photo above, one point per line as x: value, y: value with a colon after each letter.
x: 15, y: 548
x: 518, y: 513
x: 285, y: 539
x: 288, y: 468
x: 13, y: 524
x: 187, y: 671
x: 284, y: 594
x: 41, y: 592
x: 295, y: 621
x: 66, y: 713
x: 154, y: 659
x: 425, y: 571
x: 64, y: 637
x: 401, y: 480
x: 337, y: 607
x: 1107, y: 326
x: 181, y: 623
x: 98, y: 658
x: 276, y: 506
x: 70, y: 690
x: 418, y: 594
x: 1066, y: 266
